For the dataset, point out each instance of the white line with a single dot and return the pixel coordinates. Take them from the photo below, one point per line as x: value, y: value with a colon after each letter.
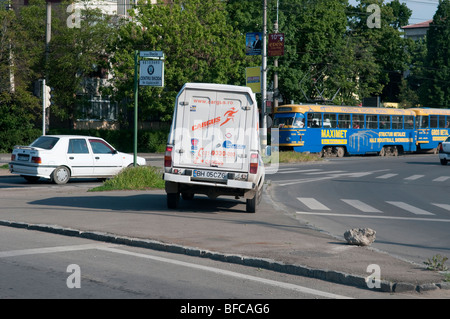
x: 378, y: 217
x: 312, y: 203
x: 410, y: 208
x: 386, y: 176
x: 298, y: 171
x: 361, y: 206
x: 441, y: 179
x: 305, y: 180
x: 229, y: 273
x: 325, y: 172
x: 414, y: 177
x: 444, y: 206
x: 48, y: 250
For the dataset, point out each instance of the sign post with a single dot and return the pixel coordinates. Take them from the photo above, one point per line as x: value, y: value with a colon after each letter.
x: 151, y: 74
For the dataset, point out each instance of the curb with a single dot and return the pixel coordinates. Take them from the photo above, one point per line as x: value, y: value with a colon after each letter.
x: 264, y: 263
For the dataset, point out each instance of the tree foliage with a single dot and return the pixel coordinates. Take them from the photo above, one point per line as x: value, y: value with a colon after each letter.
x: 198, y: 44
x: 435, y: 91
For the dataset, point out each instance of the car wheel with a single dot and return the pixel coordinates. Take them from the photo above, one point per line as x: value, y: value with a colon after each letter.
x: 61, y: 175
x: 172, y: 200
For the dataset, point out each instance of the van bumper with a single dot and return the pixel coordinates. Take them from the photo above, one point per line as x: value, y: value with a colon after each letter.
x: 230, y: 183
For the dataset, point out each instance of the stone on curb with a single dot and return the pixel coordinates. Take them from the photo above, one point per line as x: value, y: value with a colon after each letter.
x: 404, y: 287
x: 360, y: 236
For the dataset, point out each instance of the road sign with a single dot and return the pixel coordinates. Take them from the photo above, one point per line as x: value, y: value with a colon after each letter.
x: 276, y: 44
x: 151, y: 73
x: 151, y: 54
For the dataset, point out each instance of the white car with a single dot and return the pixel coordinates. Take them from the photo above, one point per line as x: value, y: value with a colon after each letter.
x: 61, y: 157
x: 444, y: 151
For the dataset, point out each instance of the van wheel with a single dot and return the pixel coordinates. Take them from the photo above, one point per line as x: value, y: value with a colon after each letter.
x: 172, y: 200
x: 443, y: 161
x: 61, y: 175
x: 251, y: 204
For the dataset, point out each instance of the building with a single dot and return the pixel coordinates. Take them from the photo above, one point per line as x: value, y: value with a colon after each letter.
x: 417, y: 31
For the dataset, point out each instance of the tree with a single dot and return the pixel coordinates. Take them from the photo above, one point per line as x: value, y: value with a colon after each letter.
x: 435, y: 91
x: 77, y: 53
x: 198, y: 44
x: 381, y: 51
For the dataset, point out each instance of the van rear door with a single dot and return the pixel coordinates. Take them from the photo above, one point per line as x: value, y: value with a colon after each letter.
x: 214, y: 130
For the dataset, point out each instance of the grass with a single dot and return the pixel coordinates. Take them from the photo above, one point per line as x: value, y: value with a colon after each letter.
x: 5, y: 166
x: 148, y: 177
x: 134, y: 178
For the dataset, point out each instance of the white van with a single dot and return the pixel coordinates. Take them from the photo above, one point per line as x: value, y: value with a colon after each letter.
x: 213, y: 146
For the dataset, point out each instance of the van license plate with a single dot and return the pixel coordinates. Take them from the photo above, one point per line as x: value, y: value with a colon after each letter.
x: 210, y: 174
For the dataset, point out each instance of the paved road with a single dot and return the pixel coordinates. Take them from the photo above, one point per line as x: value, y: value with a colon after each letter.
x: 405, y: 199
x: 43, y: 265
x: 273, y: 238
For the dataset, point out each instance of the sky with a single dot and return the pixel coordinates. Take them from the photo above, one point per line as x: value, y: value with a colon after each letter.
x: 422, y: 10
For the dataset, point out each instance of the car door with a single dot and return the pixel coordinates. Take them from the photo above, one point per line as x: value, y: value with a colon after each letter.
x: 79, y: 158
x: 107, y: 161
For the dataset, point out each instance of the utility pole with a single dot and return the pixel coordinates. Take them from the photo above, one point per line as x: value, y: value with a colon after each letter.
x: 275, y: 73
x: 48, y: 33
x: 264, y: 79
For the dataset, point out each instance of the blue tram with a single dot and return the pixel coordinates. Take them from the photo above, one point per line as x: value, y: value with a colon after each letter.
x: 433, y: 127
x: 339, y: 130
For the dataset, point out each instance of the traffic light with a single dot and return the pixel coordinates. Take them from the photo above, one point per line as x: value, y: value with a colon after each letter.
x: 48, y: 96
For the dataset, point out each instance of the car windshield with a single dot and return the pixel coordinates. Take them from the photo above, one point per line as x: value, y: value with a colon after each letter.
x: 45, y: 142
x: 448, y: 139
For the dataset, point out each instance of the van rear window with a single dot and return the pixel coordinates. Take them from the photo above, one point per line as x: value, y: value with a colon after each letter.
x: 45, y: 142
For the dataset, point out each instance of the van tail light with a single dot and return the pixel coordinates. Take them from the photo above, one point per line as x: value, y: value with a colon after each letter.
x: 168, y: 157
x: 36, y: 160
x: 441, y: 148
x: 13, y: 157
x: 253, y: 163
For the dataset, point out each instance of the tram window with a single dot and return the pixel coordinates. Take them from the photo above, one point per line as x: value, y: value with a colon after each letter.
x: 329, y: 120
x: 422, y: 121
x: 442, y: 121
x: 385, y: 122
x: 397, y: 122
x: 314, y: 120
x: 433, y: 121
x: 282, y: 121
x: 409, y: 122
x: 358, y: 120
x: 372, y: 121
x: 344, y: 121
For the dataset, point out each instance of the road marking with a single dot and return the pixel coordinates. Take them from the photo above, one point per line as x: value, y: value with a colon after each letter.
x: 441, y: 179
x: 229, y: 273
x: 48, y: 250
x: 312, y: 203
x: 298, y: 171
x: 377, y: 217
x: 414, y: 177
x: 386, y: 176
x: 409, y: 208
x: 325, y: 172
x: 444, y: 206
x: 361, y: 206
